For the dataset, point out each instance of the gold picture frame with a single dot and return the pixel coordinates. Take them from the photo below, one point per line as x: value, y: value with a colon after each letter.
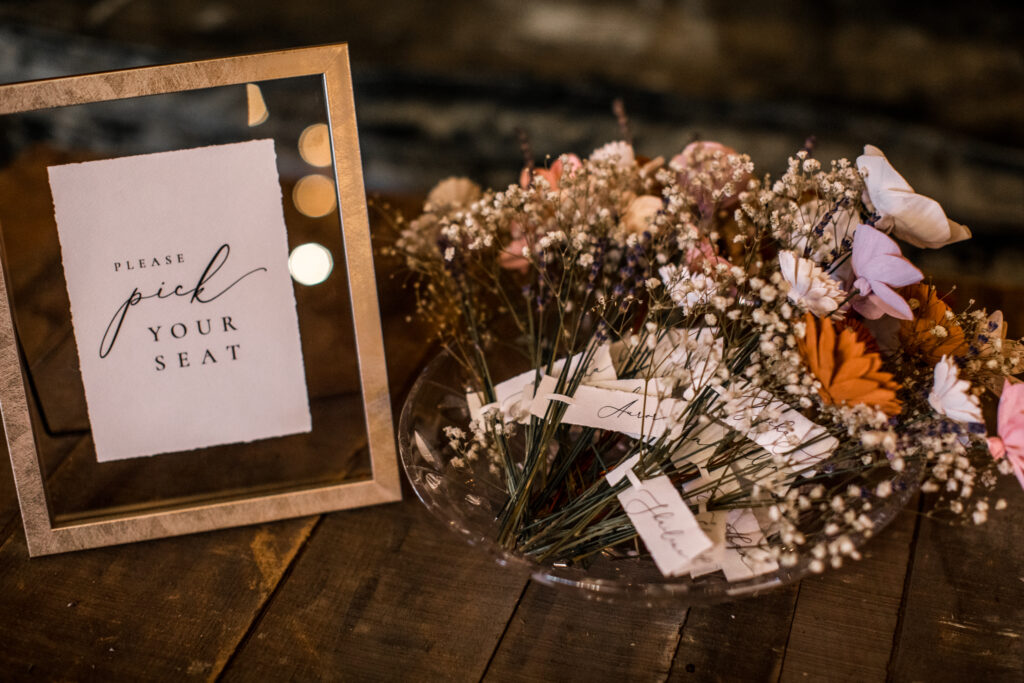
x: 45, y: 532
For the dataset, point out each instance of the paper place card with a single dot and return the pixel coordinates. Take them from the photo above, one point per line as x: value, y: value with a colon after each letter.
x: 513, y: 396
x: 697, y: 350
x: 655, y: 386
x: 779, y: 429
x: 743, y: 557
x: 599, y: 368
x: 663, y: 521
x: 713, y: 524
x: 698, y: 447
x: 616, y: 411
x: 182, y: 305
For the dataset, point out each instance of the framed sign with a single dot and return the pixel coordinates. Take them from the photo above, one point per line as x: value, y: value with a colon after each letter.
x: 189, y: 330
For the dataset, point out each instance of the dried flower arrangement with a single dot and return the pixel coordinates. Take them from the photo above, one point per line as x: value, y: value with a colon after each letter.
x: 732, y: 368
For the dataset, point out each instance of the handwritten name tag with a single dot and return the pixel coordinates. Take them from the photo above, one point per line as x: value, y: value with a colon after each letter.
x: 662, y: 520
x: 702, y: 489
x: 713, y: 524
x: 700, y: 445
x: 513, y: 396
x: 599, y: 368
x: 744, y: 556
x: 617, y: 411
x: 182, y: 306
x: 780, y: 430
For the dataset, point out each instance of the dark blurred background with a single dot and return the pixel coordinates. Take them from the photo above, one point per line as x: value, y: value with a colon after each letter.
x: 442, y: 87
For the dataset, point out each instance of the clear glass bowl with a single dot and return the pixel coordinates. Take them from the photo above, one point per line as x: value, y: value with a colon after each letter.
x: 469, y: 499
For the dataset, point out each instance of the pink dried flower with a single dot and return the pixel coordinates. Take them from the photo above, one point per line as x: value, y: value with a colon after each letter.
x: 567, y: 163
x: 1010, y: 441
x: 703, y: 169
x: 878, y: 266
x: 511, y: 257
x: 703, y: 257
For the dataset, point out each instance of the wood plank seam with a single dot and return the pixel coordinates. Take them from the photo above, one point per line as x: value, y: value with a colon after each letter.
x: 9, y: 529
x: 792, y: 620
x: 501, y: 638
x: 901, y: 613
x: 266, y: 604
x: 675, y: 650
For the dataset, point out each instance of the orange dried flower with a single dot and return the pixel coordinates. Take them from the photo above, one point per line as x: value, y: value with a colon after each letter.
x: 862, y: 332
x: 919, y: 335
x: 848, y: 371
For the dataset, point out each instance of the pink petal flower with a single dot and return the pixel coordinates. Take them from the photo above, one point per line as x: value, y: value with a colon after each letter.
x: 996, y: 447
x: 567, y: 163
x: 702, y: 162
x: 1010, y: 442
x: 511, y: 258
x: 703, y: 256
x: 878, y: 266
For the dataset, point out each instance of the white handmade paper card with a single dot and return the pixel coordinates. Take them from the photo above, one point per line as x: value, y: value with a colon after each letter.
x: 662, y: 519
x: 181, y: 302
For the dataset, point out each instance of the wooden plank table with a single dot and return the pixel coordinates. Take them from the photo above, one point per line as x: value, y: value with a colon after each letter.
x: 387, y: 593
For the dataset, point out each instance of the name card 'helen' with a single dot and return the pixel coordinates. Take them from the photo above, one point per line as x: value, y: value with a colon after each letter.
x: 181, y: 302
x: 661, y: 518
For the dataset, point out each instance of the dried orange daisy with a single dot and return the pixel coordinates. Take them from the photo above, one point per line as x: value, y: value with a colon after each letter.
x: 862, y: 332
x: 849, y: 373
x: 931, y: 332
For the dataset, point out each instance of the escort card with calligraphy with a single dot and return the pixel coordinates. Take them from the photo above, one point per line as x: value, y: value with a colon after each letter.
x: 182, y: 306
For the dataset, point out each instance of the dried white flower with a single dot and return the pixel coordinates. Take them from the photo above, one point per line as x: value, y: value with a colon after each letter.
x: 452, y: 193
x: 687, y: 289
x: 951, y: 396
x: 619, y: 153
x: 810, y: 287
x: 641, y: 213
x: 915, y: 218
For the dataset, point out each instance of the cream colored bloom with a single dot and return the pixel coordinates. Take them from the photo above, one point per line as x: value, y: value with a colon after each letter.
x: 640, y: 212
x: 915, y: 218
x: 619, y: 153
x: 810, y: 287
x: 452, y: 193
x: 951, y: 396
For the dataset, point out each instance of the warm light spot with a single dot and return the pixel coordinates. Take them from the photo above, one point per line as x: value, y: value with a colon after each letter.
x: 315, y: 145
x: 257, y: 107
x: 310, y: 263
x: 314, y: 195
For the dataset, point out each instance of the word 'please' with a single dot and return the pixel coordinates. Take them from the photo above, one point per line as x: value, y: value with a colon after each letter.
x: 151, y: 262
